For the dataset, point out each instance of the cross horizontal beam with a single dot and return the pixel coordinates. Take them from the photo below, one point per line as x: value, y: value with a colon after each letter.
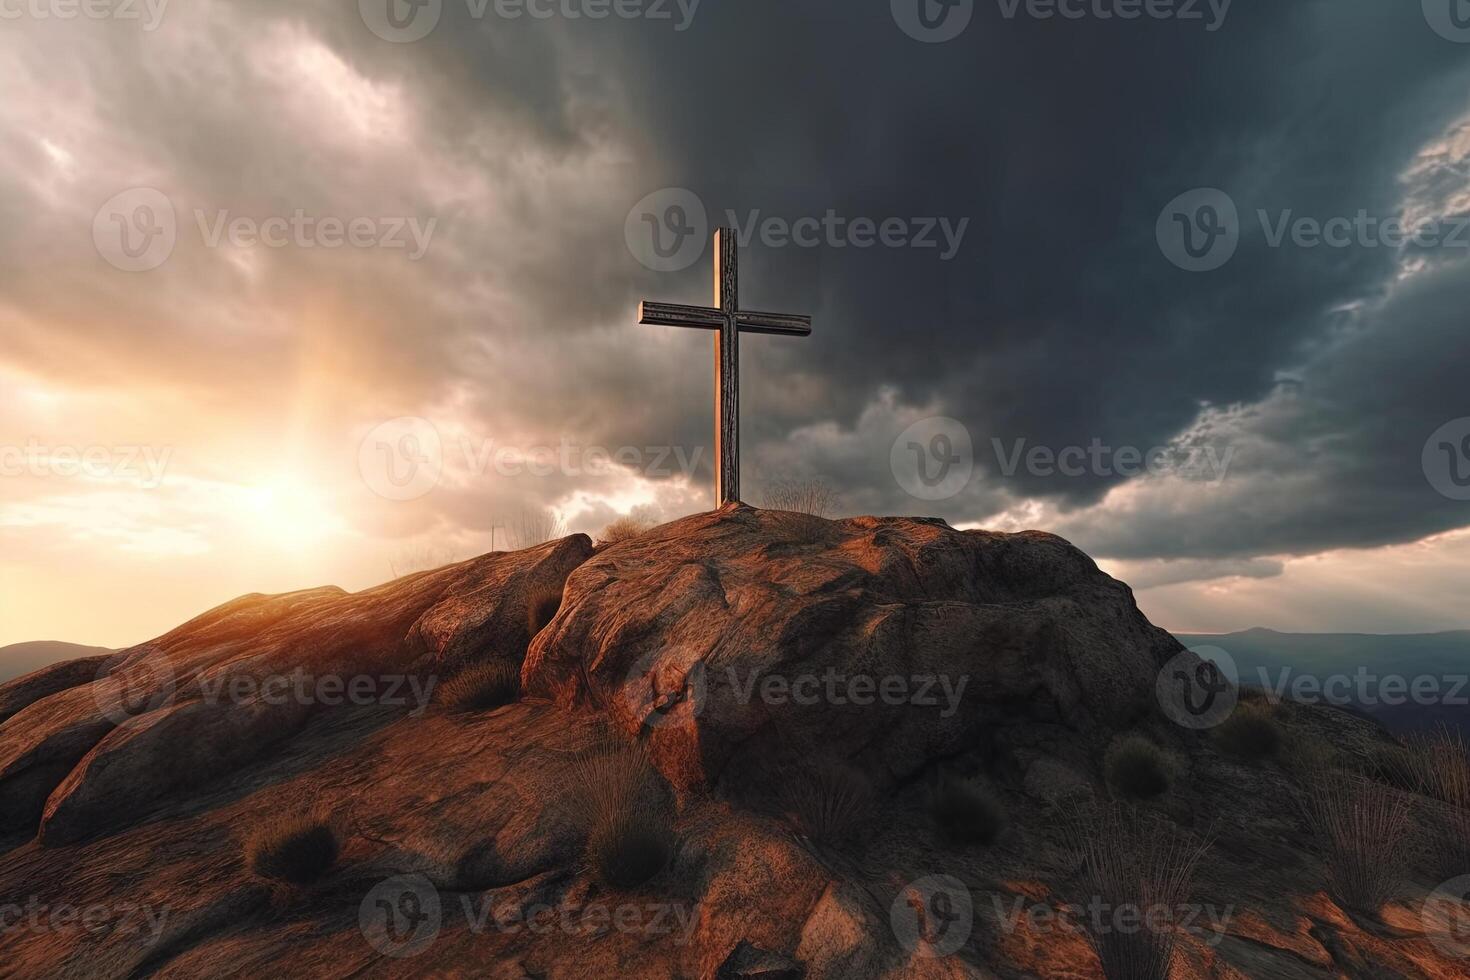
x: 707, y: 318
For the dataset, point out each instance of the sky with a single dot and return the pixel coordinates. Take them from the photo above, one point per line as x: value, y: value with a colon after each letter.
x: 296, y: 292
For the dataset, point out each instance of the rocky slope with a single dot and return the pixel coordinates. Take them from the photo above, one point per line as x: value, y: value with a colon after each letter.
x: 744, y: 650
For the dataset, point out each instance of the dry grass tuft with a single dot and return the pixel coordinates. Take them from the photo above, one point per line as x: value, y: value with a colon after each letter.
x: 1145, y: 866
x: 624, y: 529
x: 631, y: 837
x: 1137, y: 768
x: 292, y: 849
x: 1440, y: 768
x: 1251, y: 733
x: 482, y: 686
x: 533, y: 527
x: 828, y: 802
x: 1363, y: 827
x: 812, y: 497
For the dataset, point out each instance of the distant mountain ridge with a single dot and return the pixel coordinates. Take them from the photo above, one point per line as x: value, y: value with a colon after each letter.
x: 1377, y: 674
x: 20, y: 659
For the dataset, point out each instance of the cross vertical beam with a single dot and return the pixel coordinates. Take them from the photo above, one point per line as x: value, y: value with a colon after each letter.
x: 727, y: 370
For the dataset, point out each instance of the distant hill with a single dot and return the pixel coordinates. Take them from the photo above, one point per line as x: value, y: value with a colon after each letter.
x: 1438, y: 662
x: 22, y: 658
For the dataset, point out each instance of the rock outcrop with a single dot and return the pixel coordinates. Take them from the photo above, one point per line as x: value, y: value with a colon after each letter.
x: 737, y: 647
x: 745, y: 637
x: 84, y: 752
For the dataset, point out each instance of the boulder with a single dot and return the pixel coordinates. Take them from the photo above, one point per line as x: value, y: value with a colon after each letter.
x: 229, y: 685
x: 739, y: 639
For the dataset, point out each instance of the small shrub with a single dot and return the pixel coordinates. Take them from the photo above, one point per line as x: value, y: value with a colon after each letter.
x: 829, y: 802
x: 811, y: 497
x: 482, y: 686
x: 631, y: 837
x: 1137, y: 768
x: 624, y: 529
x: 1442, y: 768
x: 965, y: 813
x: 536, y: 527
x: 1250, y: 733
x: 1133, y: 861
x: 630, y: 847
x: 293, y: 850
x: 1399, y: 766
x: 1363, y: 827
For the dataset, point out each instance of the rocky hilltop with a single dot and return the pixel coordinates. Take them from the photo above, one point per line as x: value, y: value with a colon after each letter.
x: 873, y: 746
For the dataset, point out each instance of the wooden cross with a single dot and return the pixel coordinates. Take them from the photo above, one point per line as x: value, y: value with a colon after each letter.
x: 728, y: 320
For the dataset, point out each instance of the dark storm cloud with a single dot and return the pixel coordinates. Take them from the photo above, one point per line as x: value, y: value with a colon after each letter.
x: 1057, y: 323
